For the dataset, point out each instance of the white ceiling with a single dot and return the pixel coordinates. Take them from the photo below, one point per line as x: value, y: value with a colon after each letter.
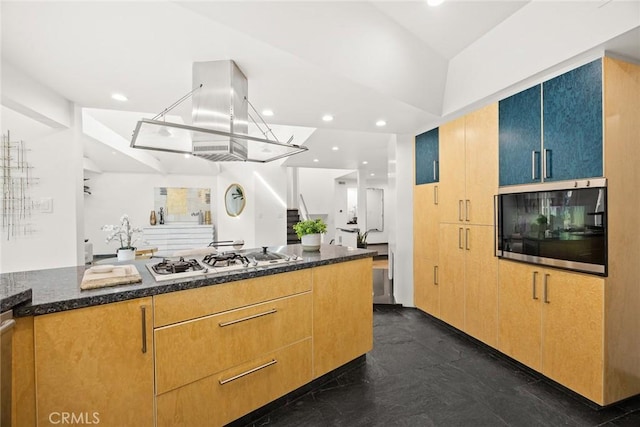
x: 359, y: 60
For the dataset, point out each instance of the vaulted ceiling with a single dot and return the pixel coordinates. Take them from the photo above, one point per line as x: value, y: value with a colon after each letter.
x: 403, y: 62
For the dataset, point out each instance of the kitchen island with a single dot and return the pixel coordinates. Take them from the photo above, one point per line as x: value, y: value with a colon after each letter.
x: 202, y: 350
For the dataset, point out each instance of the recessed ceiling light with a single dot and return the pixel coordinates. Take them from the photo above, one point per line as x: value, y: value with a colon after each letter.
x: 119, y: 97
x: 327, y: 117
x: 335, y: 148
x: 315, y: 160
x: 268, y: 113
x: 187, y: 155
x: 364, y: 162
x: 372, y: 174
x: 381, y: 123
x: 435, y: 2
x: 114, y: 153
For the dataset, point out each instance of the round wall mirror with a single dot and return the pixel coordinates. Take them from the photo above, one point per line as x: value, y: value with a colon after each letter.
x: 234, y: 200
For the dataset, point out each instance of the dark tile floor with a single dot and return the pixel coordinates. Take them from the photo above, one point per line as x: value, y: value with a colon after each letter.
x: 424, y: 373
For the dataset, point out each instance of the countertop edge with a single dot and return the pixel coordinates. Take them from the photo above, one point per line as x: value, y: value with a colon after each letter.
x: 12, y: 301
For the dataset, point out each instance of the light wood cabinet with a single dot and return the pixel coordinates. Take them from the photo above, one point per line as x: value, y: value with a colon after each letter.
x: 469, y: 167
x: 467, y: 268
x: 245, y: 344
x: 481, y: 284
x: 452, y: 171
x: 97, y: 364
x: 342, y: 314
x: 425, y: 248
x: 221, y: 398
x: 191, y: 350
x: 179, y: 306
x: 451, y: 282
x: 481, y: 160
x: 552, y: 321
x: 240, y: 346
x: 468, y: 280
x: 519, y: 313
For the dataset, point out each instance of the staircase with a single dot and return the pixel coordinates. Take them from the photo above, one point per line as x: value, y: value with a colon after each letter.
x: 293, y: 216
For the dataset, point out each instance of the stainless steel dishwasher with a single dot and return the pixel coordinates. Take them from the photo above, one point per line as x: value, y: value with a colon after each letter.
x: 6, y: 336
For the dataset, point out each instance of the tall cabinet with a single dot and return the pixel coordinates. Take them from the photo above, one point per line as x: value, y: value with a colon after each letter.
x: 469, y: 152
x: 426, y: 218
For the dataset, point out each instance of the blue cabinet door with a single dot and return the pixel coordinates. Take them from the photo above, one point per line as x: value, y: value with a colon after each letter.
x: 572, y: 114
x: 520, y: 131
x: 427, y: 155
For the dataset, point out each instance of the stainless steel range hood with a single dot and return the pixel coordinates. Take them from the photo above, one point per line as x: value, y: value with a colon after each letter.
x: 220, y: 115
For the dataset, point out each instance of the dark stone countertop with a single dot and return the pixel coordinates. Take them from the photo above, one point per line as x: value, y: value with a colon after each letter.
x: 13, y: 292
x: 58, y: 289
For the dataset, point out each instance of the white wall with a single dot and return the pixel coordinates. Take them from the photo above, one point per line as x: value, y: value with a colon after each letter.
x: 318, y: 188
x: 115, y: 194
x: 263, y: 221
x: 55, y: 239
x: 40, y: 117
x: 402, y: 245
x: 481, y: 70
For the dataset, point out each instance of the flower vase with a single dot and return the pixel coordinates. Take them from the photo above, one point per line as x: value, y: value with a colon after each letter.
x: 152, y: 218
x: 126, y: 254
x: 311, y: 242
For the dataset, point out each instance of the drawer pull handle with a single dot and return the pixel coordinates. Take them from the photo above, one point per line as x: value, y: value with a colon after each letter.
x: 250, y: 371
x: 253, y: 316
x: 143, y: 315
x: 545, y: 292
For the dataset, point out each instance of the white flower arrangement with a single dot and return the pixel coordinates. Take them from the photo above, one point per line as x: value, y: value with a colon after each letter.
x: 123, y: 232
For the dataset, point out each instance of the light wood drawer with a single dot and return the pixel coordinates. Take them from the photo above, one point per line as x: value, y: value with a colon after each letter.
x: 179, y: 306
x: 209, y: 403
x: 192, y: 350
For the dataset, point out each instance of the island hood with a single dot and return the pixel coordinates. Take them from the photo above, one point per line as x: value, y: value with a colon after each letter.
x: 220, y: 115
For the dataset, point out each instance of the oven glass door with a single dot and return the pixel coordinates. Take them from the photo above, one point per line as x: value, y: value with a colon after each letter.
x: 561, y: 228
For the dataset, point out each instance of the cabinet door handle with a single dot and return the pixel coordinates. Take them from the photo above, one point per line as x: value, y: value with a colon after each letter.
x: 460, y: 238
x: 533, y: 284
x: 534, y: 169
x: 436, y: 166
x: 435, y: 275
x: 545, y: 291
x: 467, y: 205
x: 435, y: 194
x: 467, y: 235
x: 250, y: 371
x: 459, y: 210
x: 143, y: 314
x: 244, y: 319
x: 545, y: 163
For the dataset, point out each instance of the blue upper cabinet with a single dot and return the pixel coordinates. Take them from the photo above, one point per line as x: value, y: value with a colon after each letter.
x: 520, y: 137
x: 572, y: 133
x: 562, y: 142
x: 427, y: 155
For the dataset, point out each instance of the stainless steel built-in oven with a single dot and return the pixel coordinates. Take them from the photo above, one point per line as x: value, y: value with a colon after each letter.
x: 561, y: 224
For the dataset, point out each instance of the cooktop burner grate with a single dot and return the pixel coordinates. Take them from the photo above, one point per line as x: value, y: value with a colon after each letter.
x: 225, y: 260
x: 180, y: 266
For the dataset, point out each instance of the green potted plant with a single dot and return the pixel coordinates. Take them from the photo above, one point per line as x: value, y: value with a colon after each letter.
x: 309, y: 232
x: 362, y: 239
